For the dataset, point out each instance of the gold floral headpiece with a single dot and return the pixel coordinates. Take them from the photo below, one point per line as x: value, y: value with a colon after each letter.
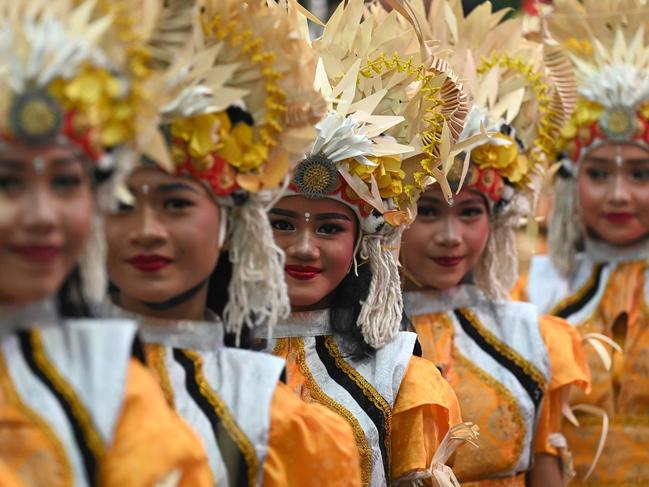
x: 59, y: 83
x: 240, y: 107
x: 522, y: 91
x: 389, y: 116
x: 607, y: 45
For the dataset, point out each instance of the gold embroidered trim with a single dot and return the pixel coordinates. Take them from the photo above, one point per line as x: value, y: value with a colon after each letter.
x: 579, y: 294
x: 505, y: 349
x: 238, y: 436
x: 319, y: 395
x: 155, y: 359
x: 368, y: 390
x: 12, y: 396
x: 81, y: 414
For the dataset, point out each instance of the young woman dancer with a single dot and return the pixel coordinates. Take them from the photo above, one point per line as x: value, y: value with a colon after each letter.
x: 595, y: 273
x: 230, y: 142
x: 76, y: 408
x: 508, y: 366
x: 339, y: 225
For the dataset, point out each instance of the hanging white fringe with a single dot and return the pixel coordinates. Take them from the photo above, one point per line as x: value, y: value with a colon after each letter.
x: 497, y: 269
x: 92, y: 264
x: 257, y: 294
x: 380, y: 316
x: 563, y: 230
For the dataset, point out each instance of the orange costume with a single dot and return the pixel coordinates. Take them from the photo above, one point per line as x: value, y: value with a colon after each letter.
x: 606, y: 295
x: 254, y: 429
x: 76, y: 409
x: 508, y: 367
x: 388, y: 108
x: 397, y: 404
x: 601, y: 290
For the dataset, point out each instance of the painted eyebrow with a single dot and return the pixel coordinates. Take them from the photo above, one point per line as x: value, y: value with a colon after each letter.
x: 169, y: 187
x: 332, y: 216
x: 282, y: 212
x: 12, y: 164
x: 477, y: 200
x: 319, y: 216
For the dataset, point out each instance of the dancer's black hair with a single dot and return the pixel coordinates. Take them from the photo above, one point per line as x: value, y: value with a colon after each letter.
x: 346, y: 307
x: 70, y: 300
x: 218, y: 295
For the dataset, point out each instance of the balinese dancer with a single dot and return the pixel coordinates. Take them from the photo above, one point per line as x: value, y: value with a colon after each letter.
x: 595, y: 273
x: 76, y: 409
x: 232, y: 119
x: 339, y: 224
x: 508, y: 366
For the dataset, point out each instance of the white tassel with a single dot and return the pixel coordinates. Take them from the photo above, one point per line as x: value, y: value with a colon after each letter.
x: 497, y: 269
x: 380, y: 316
x: 92, y: 264
x: 563, y: 228
x: 257, y: 294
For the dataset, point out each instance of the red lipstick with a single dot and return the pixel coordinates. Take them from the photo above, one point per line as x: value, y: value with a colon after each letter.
x: 149, y: 262
x: 447, y: 261
x: 619, y: 218
x: 38, y: 253
x: 302, y: 272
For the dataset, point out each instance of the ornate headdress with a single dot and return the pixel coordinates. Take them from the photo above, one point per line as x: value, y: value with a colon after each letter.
x: 235, y: 111
x: 60, y: 82
x: 391, y: 115
x: 523, y: 92
x: 607, y: 45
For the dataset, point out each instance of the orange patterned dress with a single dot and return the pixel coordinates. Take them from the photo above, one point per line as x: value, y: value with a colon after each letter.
x: 507, y: 380
x: 606, y: 295
x: 398, y: 405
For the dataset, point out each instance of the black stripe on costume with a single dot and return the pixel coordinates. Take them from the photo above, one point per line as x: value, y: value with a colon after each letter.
x: 89, y: 460
x: 571, y: 307
x: 233, y: 458
x: 137, y: 350
x: 365, y: 403
x: 531, y: 386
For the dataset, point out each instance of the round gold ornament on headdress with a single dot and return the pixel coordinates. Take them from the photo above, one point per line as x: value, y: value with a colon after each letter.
x: 35, y: 117
x: 619, y: 123
x: 316, y: 176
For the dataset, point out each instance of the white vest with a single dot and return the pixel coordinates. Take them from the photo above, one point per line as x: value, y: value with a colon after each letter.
x: 224, y: 394
x: 68, y: 372
x: 369, y: 398
x: 500, y: 326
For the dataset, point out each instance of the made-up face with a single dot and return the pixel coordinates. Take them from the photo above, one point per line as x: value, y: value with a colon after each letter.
x: 46, y: 209
x: 318, y: 237
x: 613, y: 192
x: 166, y: 243
x: 444, y: 242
